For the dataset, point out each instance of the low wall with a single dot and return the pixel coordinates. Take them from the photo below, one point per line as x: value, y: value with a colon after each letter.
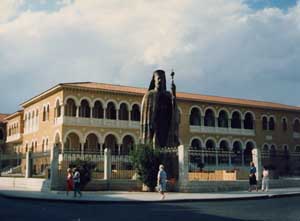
x: 219, y: 186
x: 18, y: 183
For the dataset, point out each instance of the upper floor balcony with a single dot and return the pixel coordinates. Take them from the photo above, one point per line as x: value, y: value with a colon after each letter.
x: 94, y: 122
x: 222, y: 130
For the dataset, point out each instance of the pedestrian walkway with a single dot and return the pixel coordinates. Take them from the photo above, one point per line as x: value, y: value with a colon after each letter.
x: 146, y: 197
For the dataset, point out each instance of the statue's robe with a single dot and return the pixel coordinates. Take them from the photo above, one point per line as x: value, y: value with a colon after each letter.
x: 157, y: 126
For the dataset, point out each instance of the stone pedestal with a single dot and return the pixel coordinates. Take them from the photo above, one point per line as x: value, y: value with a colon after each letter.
x: 54, y: 168
x: 107, y: 164
x: 183, y: 166
x: 256, y: 158
x: 28, y: 165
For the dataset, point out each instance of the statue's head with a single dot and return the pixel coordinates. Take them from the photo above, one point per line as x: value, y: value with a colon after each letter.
x: 158, y: 81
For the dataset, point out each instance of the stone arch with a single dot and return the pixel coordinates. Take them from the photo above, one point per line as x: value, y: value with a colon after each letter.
x: 296, y: 125
x: 98, y: 99
x: 100, y: 140
x: 249, y: 119
x: 135, y: 112
x: 72, y: 141
x: 128, y: 142
x: 272, y: 122
x: 89, y: 100
x: 224, y: 147
x: 249, y: 146
x: 76, y: 132
x: 111, y: 142
x: 111, y: 110
x: 265, y: 147
x: 85, y: 108
x: 124, y: 102
x: 75, y: 99
x: 236, y: 119
x: 196, y: 143
x: 113, y: 101
x: 124, y: 109
x: 91, y: 142
x: 198, y: 107
x: 70, y: 107
x: 240, y: 142
x: 264, y: 122
x: 113, y: 133
x: 214, y: 142
x: 209, y: 117
x: 223, y: 116
x: 98, y: 109
x: 195, y: 116
x: 227, y: 141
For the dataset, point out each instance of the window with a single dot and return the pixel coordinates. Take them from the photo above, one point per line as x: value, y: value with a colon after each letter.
x: 1, y: 134
x: 195, y: 118
x: 271, y: 123
x: 284, y: 124
x: 264, y: 123
x: 236, y: 120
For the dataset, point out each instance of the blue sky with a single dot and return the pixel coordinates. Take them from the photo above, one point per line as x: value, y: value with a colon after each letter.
x: 233, y: 48
x: 261, y: 4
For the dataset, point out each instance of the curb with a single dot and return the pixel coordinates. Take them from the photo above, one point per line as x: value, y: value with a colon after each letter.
x: 82, y: 201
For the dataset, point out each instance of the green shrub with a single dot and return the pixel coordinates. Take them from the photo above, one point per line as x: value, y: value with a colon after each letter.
x: 146, y: 161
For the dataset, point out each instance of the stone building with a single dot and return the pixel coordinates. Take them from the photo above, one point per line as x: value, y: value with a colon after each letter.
x: 2, y: 132
x: 88, y: 117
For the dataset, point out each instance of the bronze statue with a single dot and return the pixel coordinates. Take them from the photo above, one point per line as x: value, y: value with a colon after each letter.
x: 160, y: 115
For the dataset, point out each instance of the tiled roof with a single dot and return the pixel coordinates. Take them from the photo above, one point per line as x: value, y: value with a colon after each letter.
x: 2, y: 116
x: 186, y: 96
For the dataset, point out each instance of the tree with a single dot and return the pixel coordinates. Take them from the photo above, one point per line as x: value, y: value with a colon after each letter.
x: 145, y: 160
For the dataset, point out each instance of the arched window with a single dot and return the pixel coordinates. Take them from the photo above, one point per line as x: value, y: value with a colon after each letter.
x: 72, y: 142
x: 44, y: 114
x: 265, y: 148
x: 123, y: 112
x: 248, y: 122
x: 248, y: 153
x: 84, y: 109
x: 209, y: 118
x: 264, y: 123
x: 111, y: 111
x: 296, y: 126
x: 195, y: 117
x: 91, y: 143
x: 210, y: 156
x: 57, y: 109
x: 70, y: 108
x: 47, y: 148
x: 271, y: 123
x: 223, y: 119
x: 223, y: 153
x: 111, y: 143
x: 135, y: 113
x: 273, y: 151
x: 236, y: 158
x: 127, y: 145
x: 284, y: 124
x: 98, y: 110
x: 236, y: 120
x: 43, y: 145
x: 196, y: 144
x: 48, y: 112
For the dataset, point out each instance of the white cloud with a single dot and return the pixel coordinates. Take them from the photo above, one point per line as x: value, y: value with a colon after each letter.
x: 8, y: 9
x: 210, y: 44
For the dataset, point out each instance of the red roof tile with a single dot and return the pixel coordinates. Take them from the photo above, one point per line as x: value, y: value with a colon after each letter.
x: 186, y: 96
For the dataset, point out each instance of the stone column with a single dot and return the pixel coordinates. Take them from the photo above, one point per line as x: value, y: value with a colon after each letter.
x: 62, y: 110
x: 54, y: 168
x: 77, y: 111
x: 117, y: 114
x: 202, y: 121
x: 82, y: 149
x: 256, y: 158
x: 119, y: 149
x: 91, y: 112
x: 28, y: 165
x: 107, y: 164
x: 242, y: 124
x: 229, y: 123
x: 183, y: 166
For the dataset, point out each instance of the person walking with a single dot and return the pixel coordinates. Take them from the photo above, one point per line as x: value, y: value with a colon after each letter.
x: 76, y: 180
x: 162, y: 181
x: 265, y: 180
x: 252, y: 177
x: 70, y: 183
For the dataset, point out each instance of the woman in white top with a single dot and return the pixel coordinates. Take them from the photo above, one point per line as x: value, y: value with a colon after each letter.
x: 265, y: 180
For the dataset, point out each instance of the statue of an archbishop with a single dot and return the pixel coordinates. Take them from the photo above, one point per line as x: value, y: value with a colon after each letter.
x: 160, y: 115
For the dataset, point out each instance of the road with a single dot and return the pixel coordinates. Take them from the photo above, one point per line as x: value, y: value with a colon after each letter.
x: 281, y: 209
